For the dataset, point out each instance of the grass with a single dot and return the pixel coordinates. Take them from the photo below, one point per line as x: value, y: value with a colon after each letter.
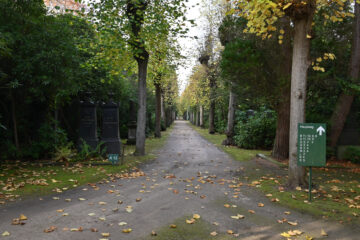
x: 337, y: 195
x: 183, y: 231
x: 25, y: 179
x: 238, y: 154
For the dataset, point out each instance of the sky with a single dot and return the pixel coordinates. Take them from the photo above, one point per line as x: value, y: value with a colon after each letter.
x: 189, y: 46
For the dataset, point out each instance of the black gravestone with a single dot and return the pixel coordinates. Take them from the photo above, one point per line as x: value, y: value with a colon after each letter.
x: 132, y: 124
x: 110, y: 133
x: 88, y: 124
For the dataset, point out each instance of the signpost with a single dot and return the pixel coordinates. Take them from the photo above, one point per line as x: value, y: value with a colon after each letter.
x: 311, y: 147
x: 113, y: 158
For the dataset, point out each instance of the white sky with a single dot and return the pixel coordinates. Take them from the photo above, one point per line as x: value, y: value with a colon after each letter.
x: 189, y: 46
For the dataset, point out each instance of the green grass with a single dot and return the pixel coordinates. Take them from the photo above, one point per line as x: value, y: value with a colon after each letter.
x: 57, y: 178
x: 183, y: 231
x: 337, y: 189
x: 238, y: 154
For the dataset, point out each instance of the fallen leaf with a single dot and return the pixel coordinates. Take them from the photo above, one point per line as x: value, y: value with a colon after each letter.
x: 65, y: 214
x: 94, y: 230
x: 122, y: 223
x: 172, y: 226
x: 215, y: 223
x: 323, y: 233
x: 238, y: 217
x: 251, y: 211
x: 153, y: 233
x: 91, y: 214
x: 196, y: 216
x: 22, y: 217
x: 102, y: 218
x: 202, y: 196
x: 129, y: 209
x: 292, y: 223
x: 102, y: 203
x: 138, y: 200
x: 260, y: 205
x: 120, y: 202
x: 213, y: 234
x: 50, y: 229
x: 82, y: 199
x: 230, y: 232
x: 127, y: 230
x: 56, y: 198
x: 287, y: 213
x: 227, y: 205
x: 60, y: 210
x: 5, y: 234
x: 105, y: 234
x: 191, y: 221
x: 175, y: 191
x: 68, y: 200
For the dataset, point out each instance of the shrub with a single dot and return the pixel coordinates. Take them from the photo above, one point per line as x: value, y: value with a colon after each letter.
x: 352, y: 153
x: 257, y: 131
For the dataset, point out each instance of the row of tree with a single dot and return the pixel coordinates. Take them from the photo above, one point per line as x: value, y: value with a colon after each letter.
x: 268, y: 48
x: 49, y: 62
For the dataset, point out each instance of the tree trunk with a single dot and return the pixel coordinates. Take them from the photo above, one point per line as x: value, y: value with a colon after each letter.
x: 345, y: 100
x: 212, y: 115
x: 281, y: 144
x: 141, y: 116
x: 163, y: 115
x: 231, y: 118
x: 158, y: 111
x: 300, y: 65
x: 201, y: 116
x: 13, y: 110
x: 197, y: 117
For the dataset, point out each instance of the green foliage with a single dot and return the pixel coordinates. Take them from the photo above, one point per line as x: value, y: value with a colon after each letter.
x: 352, y: 153
x: 64, y: 153
x: 87, y: 152
x: 257, y: 131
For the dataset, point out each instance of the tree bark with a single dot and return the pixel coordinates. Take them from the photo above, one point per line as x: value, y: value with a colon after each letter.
x: 231, y: 118
x: 13, y: 110
x: 300, y: 65
x: 281, y: 144
x: 158, y: 111
x: 345, y: 100
x: 141, y: 116
x: 201, y: 116
x: 212, y: 106
x: 163, y: 115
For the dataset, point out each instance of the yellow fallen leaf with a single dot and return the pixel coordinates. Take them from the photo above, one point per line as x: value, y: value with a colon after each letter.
x: 153, y: 233
x: 285, y: 234
x: 23, y: 217
x: 287, y: 213
x: 102, y: 218
x: 238, y: 217
x: 68, y: 200
x: 60, y: 210
x: 230, y: 232
x: 127, y: 230
x: 105, y: 234
x: 102, y: 203
x: 65, y: 214
x: 323, y: 233
x: 260, y: 205
x: 122, y: 223
x: 82, y: 199
x: 287, y: 5
x: 196, y: 216
x: 91, y: 214
x: 213, y: 234
x: 5, y: 234
x: 227, y: 205
x: 172, y: 226
x: 191, y: 221
x: 292, y: 223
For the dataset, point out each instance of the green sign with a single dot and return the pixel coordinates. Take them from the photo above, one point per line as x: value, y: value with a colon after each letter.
x: 311, y: 144
x: 113, y: 158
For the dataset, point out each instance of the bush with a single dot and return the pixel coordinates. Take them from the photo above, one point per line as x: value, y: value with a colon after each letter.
x: 352, y: 153
x: 87, y: 153
x: 257, y: 131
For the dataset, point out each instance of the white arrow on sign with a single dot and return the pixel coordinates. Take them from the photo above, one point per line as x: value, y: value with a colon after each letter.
x: 320, y: 130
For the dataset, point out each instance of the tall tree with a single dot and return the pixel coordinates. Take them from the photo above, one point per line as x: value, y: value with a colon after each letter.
x: 261, y: 16
x: 346, y: 99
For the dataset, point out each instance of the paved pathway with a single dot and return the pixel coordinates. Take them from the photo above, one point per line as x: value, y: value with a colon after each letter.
x: 189, y: 176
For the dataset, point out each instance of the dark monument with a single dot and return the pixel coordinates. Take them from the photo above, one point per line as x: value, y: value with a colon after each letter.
x: 110, y: 134
x: 132, y: 124
x: 88, y: 124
